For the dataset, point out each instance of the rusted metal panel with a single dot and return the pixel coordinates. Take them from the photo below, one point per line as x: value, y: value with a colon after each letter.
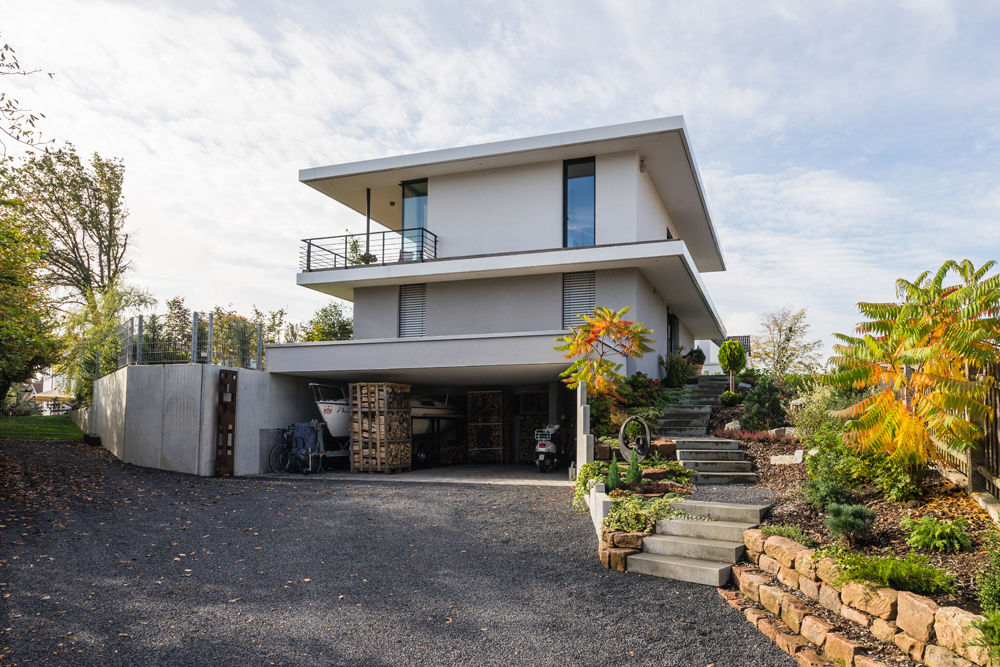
x: 225, y: 430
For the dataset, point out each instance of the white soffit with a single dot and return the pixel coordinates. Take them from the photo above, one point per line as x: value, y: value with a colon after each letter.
x: 662, y: 142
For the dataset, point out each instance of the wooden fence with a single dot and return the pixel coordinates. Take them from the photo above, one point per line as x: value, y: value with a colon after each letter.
x: 988, y: 460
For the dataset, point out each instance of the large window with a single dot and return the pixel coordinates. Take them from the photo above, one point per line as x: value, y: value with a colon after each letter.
x: 414, y: 219
x: 578, y: 202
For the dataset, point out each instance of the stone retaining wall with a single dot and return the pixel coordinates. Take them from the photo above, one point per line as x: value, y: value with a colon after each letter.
x: 615, y: 548
x: 929, y: 634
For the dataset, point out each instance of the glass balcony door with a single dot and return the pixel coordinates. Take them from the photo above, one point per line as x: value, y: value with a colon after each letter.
x: 414, y: 220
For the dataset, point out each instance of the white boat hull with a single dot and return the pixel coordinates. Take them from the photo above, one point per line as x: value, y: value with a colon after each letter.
x: 337, y: 415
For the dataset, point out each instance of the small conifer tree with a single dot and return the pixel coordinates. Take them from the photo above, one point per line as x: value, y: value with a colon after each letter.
x: 852, y: 522
x: 614, y: 480
x: 634, y: 474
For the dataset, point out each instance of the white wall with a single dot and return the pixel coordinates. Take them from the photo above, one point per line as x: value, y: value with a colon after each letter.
x: 652, y: 218
x: 376, y: 312
x: 616, y: 175
x: 495, y: 305
x: 108, y: 412
x: 496, y: 210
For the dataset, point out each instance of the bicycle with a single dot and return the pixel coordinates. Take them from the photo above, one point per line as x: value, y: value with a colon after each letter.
x: 281, y: 453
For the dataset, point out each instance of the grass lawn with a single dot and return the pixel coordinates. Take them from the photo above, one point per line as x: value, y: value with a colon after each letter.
x: 51, y: 427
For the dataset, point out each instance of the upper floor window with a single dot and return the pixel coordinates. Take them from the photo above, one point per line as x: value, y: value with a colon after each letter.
x: 415, y: 204
x: 578, y: 202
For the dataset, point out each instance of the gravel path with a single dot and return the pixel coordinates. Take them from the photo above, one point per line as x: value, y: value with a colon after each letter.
x: 105, y: 563
x: 734, y: 493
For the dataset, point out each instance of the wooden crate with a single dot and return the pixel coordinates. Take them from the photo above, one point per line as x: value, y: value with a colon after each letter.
x: 489, y: 429
x: 380, y: 427
x: 534, y: 414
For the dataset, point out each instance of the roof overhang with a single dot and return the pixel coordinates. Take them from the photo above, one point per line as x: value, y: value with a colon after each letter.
x: 662, y: 143
x: 666, y: 265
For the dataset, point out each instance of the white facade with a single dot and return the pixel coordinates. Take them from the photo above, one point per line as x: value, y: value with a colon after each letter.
x: 494, y: 278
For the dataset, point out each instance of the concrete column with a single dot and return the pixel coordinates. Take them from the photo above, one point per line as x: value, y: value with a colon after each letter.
x: 584, y: 440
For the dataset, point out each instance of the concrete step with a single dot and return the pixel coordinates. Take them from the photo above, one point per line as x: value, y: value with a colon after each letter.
x: 726, y: 531
x: 718, y: 466
x: 682, y: 569
x: 738, y: 512
x: 697, y: 420
x: 713, y: 478
x: 686, y: 410
x: 674, y: 432
x: 694, y: 547
x: 707, y: 443
x: 710, y: 455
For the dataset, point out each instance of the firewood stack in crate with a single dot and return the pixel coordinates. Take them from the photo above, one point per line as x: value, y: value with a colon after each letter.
x: 380, y: 427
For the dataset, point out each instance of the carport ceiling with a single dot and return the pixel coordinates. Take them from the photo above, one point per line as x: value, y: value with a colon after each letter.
x: 457, y: 376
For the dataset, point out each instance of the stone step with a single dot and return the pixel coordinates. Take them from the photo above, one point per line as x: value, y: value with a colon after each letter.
x: 717, y: 466
x: 699, y: 548
x: 707, y: 443
x: 696, y: 420
x: 682, y: 569
x: 727, y: 531
x: 686, y: 410
x: 714, y: 478
x: 674, y: 432
x: 710, y: 455
x: 738, y: 512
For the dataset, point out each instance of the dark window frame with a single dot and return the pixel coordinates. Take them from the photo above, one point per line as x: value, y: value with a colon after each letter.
x: 565, y: 184
x: 402, y: 197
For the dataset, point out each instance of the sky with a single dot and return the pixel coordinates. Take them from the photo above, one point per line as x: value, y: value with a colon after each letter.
x: 842, y: 145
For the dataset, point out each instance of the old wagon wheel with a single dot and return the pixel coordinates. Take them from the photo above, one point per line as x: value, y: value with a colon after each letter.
x: 639, y: 443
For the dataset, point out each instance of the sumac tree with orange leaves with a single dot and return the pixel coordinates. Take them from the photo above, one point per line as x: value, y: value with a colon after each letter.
x: 914, y: 357
x: 597, y: 344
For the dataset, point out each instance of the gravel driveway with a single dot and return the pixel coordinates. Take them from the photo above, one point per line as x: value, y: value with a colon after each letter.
x: 106, y: 563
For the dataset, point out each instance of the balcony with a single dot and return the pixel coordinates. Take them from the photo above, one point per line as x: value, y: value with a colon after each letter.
x: 340, y: 252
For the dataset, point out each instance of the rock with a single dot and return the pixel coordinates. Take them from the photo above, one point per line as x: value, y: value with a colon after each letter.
x: 753, y: 556
x: 768, y: 564
x: 790, y: 643
x: 656, y: 474
x: 797, y: 402
x: 783, y: 432
x: 754, y: 539
x: 839, y: 647
x: 883, y: 630
x: 602, y: 552
x: 910, y: 646
x: 799, y: 456
x: 865, y: 661
x: 853, y: 615
x: 879, y: 602
x: 829, y: 597
x: 952, y: 626
x: 750, y: 585
x: 617, y: 558
x: 805, y: 563
x: 793, y: 610
x: 935, y: 656
x: 755, y: 616
x: 809, y: 588
x: 602, y: 452
x: 783, y: 549
x: 772, y: 628
x: 788, y: 577
x: 810, y: 658
x: 784, y: 459
x: 628, y: 540
x: 814, y: 629
x: 744, y: 386
x: 915, y: 615
x: 770, y: 598
x: 734, y: 425
x: 826, y: 570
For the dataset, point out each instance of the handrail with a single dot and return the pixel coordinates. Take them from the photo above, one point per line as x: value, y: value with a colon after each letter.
x: 339, y: 252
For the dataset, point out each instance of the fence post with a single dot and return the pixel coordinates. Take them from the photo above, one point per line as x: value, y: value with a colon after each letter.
x: 260, y: 343
x: 211, y: 336
x: 138, y: 345
x: 309, y: 254
x: 130, y: 348
x: 194, y: 337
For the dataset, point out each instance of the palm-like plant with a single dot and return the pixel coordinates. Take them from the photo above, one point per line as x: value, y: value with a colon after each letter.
x: 915, y: 356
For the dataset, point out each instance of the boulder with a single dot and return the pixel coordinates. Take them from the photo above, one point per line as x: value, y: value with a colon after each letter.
x: 754, y: 539
x: 840, y: 648
x: 915, y: 615
x: 954, y: 631
x: 734, y: 425
x: 783, y: 549
x: 879, y: 602
x: 935, y: 656
x: 815, y: 629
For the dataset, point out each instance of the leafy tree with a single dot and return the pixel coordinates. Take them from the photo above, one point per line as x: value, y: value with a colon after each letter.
x: 91, y: 341
x: 27, y: 341
x: 330, y: 323
x: 16, y: 122
x: 733, y: 359
x: 915, y: 356
x: 785, y: 346
x: 605, y: 334
x: 81, y: 210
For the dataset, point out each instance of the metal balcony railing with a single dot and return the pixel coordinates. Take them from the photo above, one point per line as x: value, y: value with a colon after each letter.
x: 340, y: 252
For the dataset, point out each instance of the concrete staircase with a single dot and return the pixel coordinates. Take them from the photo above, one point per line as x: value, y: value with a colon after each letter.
x: 690, y: 417
x: 715, y: 461
x: 696, y: 550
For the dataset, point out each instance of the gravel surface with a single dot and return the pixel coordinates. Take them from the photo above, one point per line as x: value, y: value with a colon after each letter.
x: 106, y: 563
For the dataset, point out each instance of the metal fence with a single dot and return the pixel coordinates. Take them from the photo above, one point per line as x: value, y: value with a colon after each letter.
x: 988, y: 464
x: 338, y: 252
x: 225, y: 341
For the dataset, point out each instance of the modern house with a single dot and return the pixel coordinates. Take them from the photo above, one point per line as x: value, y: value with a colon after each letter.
x: 477, y: 257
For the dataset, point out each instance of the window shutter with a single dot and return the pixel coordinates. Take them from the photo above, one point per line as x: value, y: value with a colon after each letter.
x: 412, y: 311
x: 578, y: 297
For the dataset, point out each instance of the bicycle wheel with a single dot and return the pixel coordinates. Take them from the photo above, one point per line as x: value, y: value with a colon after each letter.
x: 278, y: 457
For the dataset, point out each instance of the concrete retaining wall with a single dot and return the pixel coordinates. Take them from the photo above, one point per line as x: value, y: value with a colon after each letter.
x: 165, y: 416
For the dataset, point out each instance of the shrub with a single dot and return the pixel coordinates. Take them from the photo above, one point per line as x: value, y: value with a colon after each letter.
x: 696, y: 356
x: 730, y: 398
x: 732, y: 359
x: 628, y: 515
x: 634, y: 474
x: 989, y: 627
x: 822, y: 492
x: 588, y: 475
x: 763, y: 406
x: 912, y: 573
x: 811, y: 409
x: 676, y: 472
x: 988, y: 579
x: 791, y: 532
x: 640, y: 390
x: 931, y: 534
x: 676, y: 370
x: 614, y: 480
x: 852, y: 522
x: 662, y: 508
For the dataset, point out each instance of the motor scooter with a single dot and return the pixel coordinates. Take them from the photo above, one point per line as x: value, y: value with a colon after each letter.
x: 549, y: 449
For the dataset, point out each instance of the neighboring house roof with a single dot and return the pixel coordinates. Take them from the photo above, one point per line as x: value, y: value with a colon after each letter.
x: 743, y: 340
x: 661, y: 142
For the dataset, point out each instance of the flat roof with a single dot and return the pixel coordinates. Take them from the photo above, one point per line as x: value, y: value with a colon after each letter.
x: 662, y: 142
